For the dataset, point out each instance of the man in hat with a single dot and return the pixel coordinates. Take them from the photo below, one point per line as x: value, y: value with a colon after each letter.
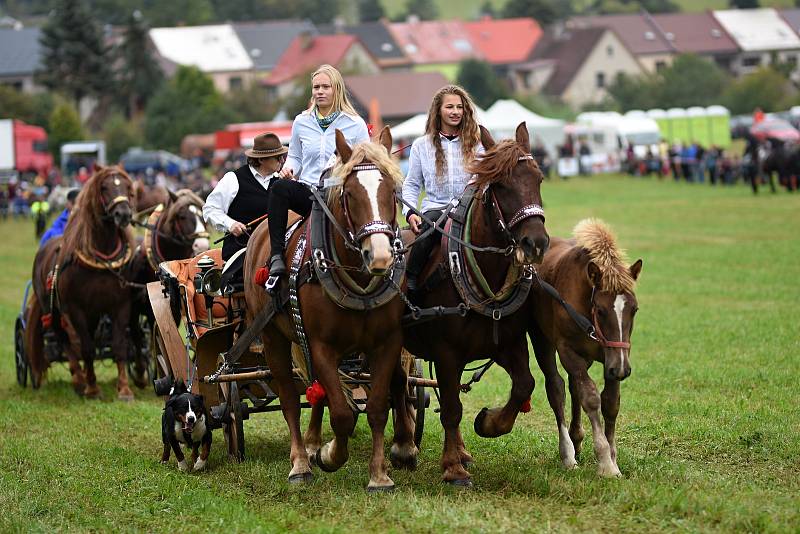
x: 241, y: 196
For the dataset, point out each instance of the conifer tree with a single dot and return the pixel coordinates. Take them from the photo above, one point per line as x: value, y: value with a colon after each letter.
x: 139, y: 74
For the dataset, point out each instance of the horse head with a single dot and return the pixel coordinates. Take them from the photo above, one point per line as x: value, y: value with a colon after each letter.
x: 509, y: 181
x: 114, y: 195
x: 367, y: 197
x: 184, y: 222
x: 614, y: 307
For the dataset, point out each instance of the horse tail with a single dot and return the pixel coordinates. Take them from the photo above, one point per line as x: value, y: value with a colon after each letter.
x: 34, y: 342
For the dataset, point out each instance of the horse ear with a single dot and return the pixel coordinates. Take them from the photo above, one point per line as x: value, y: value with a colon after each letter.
x: 635, y: 269
x: 522, y: 137
x: 342, y: 147
x: 594, y: 274
x: 172, y: 196
x: 386, y: 139
x: 486, y: 138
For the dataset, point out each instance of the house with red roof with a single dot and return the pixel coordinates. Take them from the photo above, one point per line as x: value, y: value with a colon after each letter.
x: 434, y: 45
x: 504, y: 41
x: 308, y: 51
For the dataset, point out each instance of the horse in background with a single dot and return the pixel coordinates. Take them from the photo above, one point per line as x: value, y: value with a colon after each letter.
x: 590, y: 274
x: 77, y: 281
x: 174, y: 230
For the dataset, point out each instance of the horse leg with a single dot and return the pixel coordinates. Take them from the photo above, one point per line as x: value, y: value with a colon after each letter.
x: 383, y: 362
x: 333, y: 454
x: 34, y: 343
x: 448, y: 373
x: 491, y: 423
x: 590, y: 401
x: 404, y: 452
x: 313, y: 435
x: 554, y: 385
x: 609, y: 404
x: 81, y: 343
x: 92, y: 389
x: 119, y: 345
x: 576, y: 431
x: 278, y: 354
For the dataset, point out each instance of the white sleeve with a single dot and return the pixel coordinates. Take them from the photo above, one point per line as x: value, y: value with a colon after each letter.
x: 414, y: 182
x: 294, y: 159
x: 362, y: 132
x: 215, y: 210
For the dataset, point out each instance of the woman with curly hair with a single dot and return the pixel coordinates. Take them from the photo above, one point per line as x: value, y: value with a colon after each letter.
x: 437, y: 165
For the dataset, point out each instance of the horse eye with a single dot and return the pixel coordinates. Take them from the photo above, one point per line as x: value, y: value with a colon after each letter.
x: 602, y: 312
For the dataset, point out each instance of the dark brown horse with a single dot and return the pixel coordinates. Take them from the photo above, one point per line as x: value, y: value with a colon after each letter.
x: 174, y: 231
x: 365, y: 205
x: 83, y: 268
x: 505, y: 214
x: 589, y: 274
x: 148, y: 197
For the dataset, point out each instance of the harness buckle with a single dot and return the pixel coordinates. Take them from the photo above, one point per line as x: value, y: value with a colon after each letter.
x: 319, y: 260
x: 455, y: 264
x: 527, y: 272
x: 593, y: 335
x: 272, y: 281
x: 497, y: 314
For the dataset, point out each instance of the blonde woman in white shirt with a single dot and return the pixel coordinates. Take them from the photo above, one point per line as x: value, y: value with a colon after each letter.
x: 313, y: 143
x: 437, y: 165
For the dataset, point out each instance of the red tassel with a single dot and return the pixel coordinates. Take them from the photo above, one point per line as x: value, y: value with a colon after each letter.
x: 64, y: 323
x: 526, y: 406
x: 262, y: 274
x: 315, y: 393
x: 370, y: 127
x: 47, y: 320
x: 49, y: 283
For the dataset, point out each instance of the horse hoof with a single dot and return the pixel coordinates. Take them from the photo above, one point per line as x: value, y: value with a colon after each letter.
x: 320, y: 463
x: 301, y: 478
x: 380, y: 489
x: 125, y: 396
x: 467, y: 464
x: 399, y: 462
x: 460, y: 483
x: 80, y: 389
x: 479, y: 419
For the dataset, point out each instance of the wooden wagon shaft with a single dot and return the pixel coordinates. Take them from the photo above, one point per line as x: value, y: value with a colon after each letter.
x: 257, y: 375
x: 412, y: 380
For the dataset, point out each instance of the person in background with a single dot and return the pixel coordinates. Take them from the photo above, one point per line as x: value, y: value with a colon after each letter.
x: 310, y: 150
x: 59, y: 225
x: 242, y: 196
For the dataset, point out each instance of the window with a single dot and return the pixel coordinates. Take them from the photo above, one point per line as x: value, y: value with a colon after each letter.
x: 791, y: 60
x: 235, y: 83
x: 600, y: 79
x: 661, y: 65
x: 754, y: 61
x: 609, y: 51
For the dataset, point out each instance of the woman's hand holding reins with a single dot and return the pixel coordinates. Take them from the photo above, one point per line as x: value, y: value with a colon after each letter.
x: 415, y: 221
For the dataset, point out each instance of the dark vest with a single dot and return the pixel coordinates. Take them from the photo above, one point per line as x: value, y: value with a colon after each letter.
x: 249, y: 203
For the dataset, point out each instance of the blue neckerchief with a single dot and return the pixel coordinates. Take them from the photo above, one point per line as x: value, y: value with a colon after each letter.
x: 324, y: 122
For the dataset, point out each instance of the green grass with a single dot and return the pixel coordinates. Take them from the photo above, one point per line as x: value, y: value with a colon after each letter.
x: 709, y: 432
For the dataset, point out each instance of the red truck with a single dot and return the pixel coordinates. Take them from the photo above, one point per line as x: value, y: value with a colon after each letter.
x: 23, y: 148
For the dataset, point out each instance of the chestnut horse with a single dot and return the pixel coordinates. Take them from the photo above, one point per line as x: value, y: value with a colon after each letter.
x: 174, y: 231
x: 589, y: 274
x: 365, y: 205
x: 506, y: 215
x: 83, y: 268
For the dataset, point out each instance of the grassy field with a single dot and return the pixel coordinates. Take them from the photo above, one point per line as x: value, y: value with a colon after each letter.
x: 709, y: 432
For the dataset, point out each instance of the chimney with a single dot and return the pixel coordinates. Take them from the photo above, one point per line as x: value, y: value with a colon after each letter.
x: 338, y: 24
x: 306, y: 38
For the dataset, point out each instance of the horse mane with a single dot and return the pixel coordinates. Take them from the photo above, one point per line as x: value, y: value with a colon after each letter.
x: 366, y: 152
x: 599, y: 241
x: 497, y: 163
x: 86, y: 219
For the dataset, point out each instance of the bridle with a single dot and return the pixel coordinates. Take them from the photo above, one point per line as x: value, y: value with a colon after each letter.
x: 598, y: 335
x: 119, y: 199
x: 371, y: 227
x: 525, y: 212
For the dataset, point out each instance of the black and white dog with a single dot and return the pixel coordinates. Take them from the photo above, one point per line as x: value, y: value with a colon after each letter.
x: 184, y: 421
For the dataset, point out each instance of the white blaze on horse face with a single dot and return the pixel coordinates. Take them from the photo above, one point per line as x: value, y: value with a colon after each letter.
x: 379, y: 243
x: 619, y: 306
x: 200, y: 244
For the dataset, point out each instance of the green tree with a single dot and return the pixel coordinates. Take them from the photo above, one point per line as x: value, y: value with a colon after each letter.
x: 744, y: 4
x: 370, y: 10
x: 250, y: 103
x: 424, y: 9
x: 318, y: 11
x: 64, y: 126
x: 188, y: 103
x: 139, y: 75
x: 487, y: 9
x: 478, y: 78
x: 179, y: 12
x: 74, y: 58
x: 633, y: 92
x: 690, y: 81
x: 765, y: 88
x: 544, y: 11
x: 121, y: 134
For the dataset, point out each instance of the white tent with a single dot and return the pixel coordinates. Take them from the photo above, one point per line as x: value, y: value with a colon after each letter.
x: 503, y: 117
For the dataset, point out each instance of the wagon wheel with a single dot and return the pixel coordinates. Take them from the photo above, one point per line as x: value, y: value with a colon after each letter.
x: 143, y: 366
x: 422, y: 399
x: 20, y: 358
x: 160, y: 363
x: 233, y: 424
